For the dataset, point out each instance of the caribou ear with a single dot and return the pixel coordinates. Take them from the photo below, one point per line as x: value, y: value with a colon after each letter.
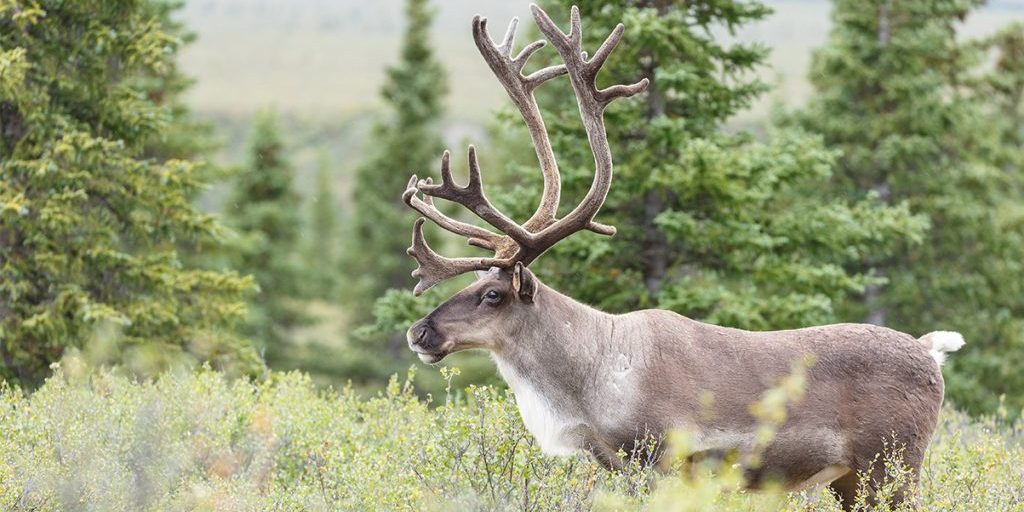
x: 524, y: 283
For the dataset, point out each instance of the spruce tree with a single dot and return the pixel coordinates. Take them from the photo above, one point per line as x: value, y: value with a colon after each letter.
x: 1003, y: 87
x: 184, y: 136
x: 895, y: 96
x: 406, y: 141
x: 88, y: 225
x: 715, y: 225
x: 264, y: 209
x: 322, y: 245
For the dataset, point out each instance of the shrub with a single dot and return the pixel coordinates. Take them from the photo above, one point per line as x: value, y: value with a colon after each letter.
x: 198, y: 441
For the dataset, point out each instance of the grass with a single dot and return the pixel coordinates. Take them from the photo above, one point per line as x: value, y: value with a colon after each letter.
x: 196, y: 441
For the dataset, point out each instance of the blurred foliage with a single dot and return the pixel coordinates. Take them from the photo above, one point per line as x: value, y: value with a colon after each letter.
x: 407, y: 141
x: 183, y: 136
x: 264, y: 209
x: 923, y: 119
x: 1003, y: 85
x: 323, y: 244
x: 89, y: 222
x: 198, y: 441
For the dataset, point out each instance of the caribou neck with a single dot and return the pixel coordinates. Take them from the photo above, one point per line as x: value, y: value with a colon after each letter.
x: 560, y: 350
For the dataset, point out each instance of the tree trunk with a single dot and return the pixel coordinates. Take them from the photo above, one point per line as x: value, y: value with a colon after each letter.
x: 873, y: 292
x: 5, y: 311
x: 654, y: 252
x: 884, y: 24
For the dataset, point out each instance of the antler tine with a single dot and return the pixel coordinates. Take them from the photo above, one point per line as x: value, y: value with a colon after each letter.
x: 476, y: 236
x: 446, y: 169
x: 524, y: 55
x: 472, y: 198
x: 548, y: 27
x: 592, y: 102
x: 607, y: 46
x: 510, y: 36
x: 520, y: 89
x: 433, y: 268
x: 575, y: 26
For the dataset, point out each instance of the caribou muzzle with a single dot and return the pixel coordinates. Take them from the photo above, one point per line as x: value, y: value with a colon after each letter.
x: 426, y: 342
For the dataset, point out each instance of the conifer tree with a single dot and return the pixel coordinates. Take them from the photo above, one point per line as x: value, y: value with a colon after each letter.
x: 894, y: 96
x: 264, y: 209
x: 322, y: 253
x: 88, y: 225
x: 404, y: 142
x: 184, y: 136
x: 1003, y: 87
x: 711, y: 224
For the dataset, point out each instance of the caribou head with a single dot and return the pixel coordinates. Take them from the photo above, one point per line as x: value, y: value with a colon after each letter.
x: 588, y: 380
x: 482, y: 316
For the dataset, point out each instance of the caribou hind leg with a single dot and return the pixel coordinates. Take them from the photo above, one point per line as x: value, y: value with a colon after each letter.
x: 847, y: 487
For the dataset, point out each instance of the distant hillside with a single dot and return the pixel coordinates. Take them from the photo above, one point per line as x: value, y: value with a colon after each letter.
x: 325, y: 58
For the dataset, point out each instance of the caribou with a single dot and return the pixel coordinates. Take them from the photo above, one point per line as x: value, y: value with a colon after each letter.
x: 585, y: 380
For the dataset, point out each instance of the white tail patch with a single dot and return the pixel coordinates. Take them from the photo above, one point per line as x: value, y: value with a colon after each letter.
x: 941, y: 342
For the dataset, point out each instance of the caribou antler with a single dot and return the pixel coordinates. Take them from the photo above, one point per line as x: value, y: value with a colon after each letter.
x: 523, y: 243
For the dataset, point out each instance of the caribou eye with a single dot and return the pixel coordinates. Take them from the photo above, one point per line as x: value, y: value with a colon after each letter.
x: 492, y: 297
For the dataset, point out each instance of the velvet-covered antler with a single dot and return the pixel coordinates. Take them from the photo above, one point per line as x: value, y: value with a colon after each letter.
x: 523, y: 242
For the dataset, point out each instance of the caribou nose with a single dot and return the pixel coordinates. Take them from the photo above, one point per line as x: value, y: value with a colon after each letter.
x: 420, y: 334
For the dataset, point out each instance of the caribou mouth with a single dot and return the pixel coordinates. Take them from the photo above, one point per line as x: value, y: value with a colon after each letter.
x: 430, y: 357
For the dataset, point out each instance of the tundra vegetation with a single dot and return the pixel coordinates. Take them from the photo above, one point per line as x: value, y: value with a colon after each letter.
x: 199, y: 441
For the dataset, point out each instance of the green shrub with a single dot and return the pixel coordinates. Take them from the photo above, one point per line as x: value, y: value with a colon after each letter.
x: 198, y: 441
